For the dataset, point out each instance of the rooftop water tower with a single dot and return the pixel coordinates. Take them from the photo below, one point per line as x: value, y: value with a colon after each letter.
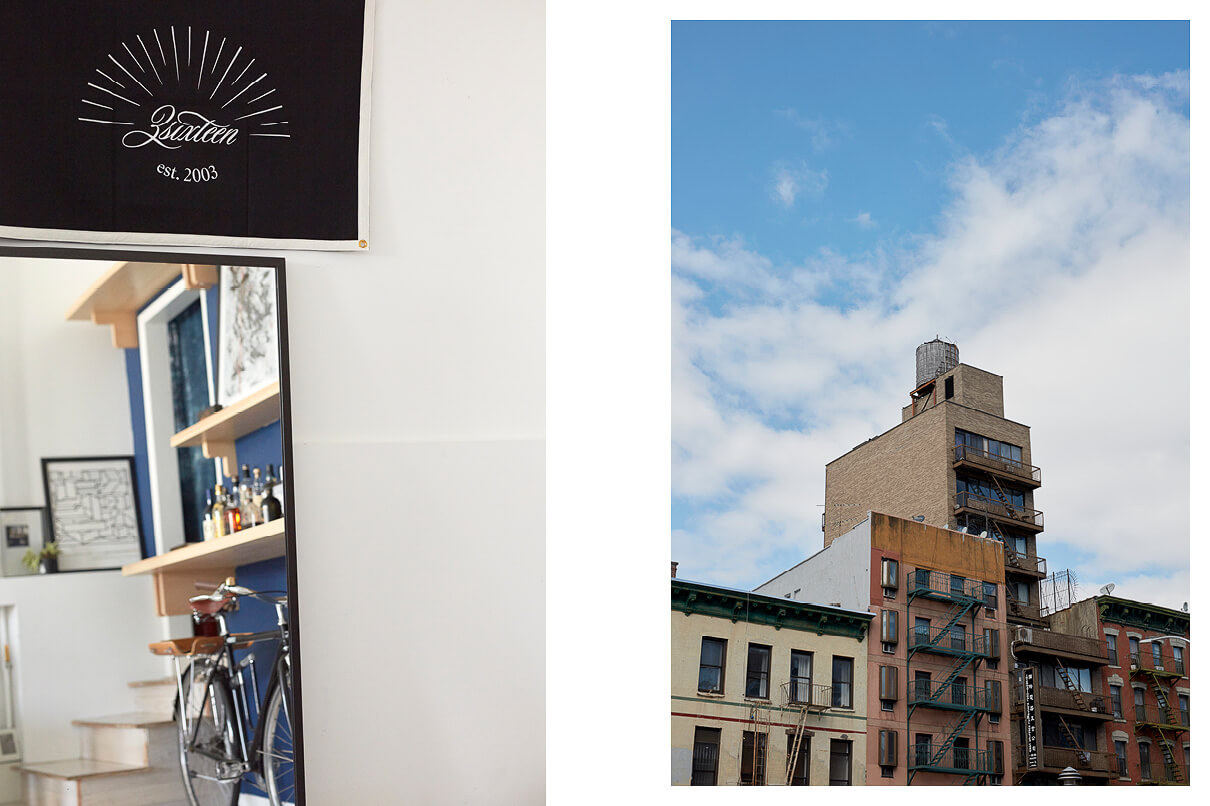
x: 935, y: 358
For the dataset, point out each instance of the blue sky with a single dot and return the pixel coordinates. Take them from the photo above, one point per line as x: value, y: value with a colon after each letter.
x: 842, y: 192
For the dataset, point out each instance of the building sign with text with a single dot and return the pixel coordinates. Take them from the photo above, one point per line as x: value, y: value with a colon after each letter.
x: 233, y: 123
x: 1031, y: 718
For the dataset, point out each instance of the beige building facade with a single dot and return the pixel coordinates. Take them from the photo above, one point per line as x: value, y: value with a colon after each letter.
x: 765, y: 690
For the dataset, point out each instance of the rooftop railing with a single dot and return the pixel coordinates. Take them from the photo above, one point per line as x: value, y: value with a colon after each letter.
x: 942, y: 585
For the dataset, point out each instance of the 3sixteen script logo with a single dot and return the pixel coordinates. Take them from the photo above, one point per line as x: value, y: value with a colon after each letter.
x: 156, y: 85
x: 169, y: 126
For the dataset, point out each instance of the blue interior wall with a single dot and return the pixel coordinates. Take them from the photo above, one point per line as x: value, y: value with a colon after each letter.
x: 138, y: 425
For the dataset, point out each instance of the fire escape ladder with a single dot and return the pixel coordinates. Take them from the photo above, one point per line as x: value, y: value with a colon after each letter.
x: 1161, y: 697
x: 800, y: 728
x: 1071, y: 687
x: 1004, y: 500
x: 762, y: 719
x: 955, y: 732
x: 1167, y: 750
x: 961, y: 611
x: 1070, y: 738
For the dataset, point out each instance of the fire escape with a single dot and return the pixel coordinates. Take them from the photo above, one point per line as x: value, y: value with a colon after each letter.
x: 967, y: 702
x: 1162, y: 723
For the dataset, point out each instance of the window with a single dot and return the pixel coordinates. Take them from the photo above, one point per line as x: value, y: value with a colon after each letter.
x: 1178, y: 659
x: 922, y: 688
x: 890, y: 574
x: 957, y: 586
x: 1119, y: 749
x: 802, y: 761
x: 1021, y: 592
x: 710, y: 673
x: 977, y: 489
x: 752, y: 759
x: 1134, y: 651
x: 992, y: 689
x: 1156, y: 657
x: 1182, y: 701
x: 890, y: 627
x: 1145, y: 761
x: 923, y: 749
x: 995, y: 756
x: 888, y: 685
x: 922, y: 629
x: 1111, y: 643
x: 758, y: 672
x: 991, y: 643
x: 1021, y: 545
x: 842, y: 682
x: 962, y: 753
x: 800, y: 676
x: 1140, y: 709
x: 949, y: 387
x: 958, y: 637
x: 705, y: 757
x: 989, y: 595
x: 1115, y: 701
x: 888, y: 749
x: 840, y: 766
x: 958, y: 691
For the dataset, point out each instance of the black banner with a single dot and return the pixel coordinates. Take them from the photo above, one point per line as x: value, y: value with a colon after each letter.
x: 236, y: 123
x: 1031, y: 718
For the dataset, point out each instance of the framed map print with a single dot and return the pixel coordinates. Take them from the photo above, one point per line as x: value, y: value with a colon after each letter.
x: 93, y: 512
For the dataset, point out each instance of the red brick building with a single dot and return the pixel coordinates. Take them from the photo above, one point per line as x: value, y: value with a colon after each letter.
x: 1147, y: 679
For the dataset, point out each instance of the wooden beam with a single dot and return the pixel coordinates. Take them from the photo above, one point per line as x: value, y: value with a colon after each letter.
x: 124, y: 325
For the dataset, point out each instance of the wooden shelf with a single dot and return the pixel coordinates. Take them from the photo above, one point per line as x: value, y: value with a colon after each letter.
x: 218, y: 432
x: 211, y: 562
x: 116, y: 297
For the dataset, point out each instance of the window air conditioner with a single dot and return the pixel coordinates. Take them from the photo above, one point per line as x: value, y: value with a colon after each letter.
x: 1025, y: 635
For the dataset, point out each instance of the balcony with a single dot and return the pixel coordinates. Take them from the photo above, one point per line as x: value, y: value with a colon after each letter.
x: 1024, y: 611
x: 957, y: 760
x: 1165, y: 667
x: 1067, y: 647
x: 1049, y: 698
x: 977, y: 459
x: 940, y: 641
x: 1021, y: 517
x: 1015, y: 561
x: 1053, y: 759
x: 942, y: 586
x: 1154, y: 715
x: 802, y: 693
x: 951, y: 698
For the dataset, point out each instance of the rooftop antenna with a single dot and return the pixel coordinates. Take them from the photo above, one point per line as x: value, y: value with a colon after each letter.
x: 1106, y: 589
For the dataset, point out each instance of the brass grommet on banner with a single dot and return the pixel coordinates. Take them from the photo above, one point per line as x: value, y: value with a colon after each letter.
x: 362, y: 244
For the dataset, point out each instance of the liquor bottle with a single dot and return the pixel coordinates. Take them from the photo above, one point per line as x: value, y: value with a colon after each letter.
x: 258, y: 493
x: 208, y: 517
x: 231, y: 509
x: 248, y: 516
x: 220, y: 521
x: 270, y: 507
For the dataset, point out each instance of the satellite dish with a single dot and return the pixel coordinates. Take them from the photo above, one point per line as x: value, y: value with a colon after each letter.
x: 983, y: 534
x: 1107, y: 589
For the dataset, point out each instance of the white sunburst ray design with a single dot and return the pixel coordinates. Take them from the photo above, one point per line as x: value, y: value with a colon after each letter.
x: 122, y: 67
x: 201, y: 65
x: 150, y: 61
x: 160, y: 45
x: 176, y: 54
x: 228, y: 70
x: 218, y: 55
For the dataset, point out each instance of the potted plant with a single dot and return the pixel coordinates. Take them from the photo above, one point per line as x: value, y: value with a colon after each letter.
x: 45, y: 561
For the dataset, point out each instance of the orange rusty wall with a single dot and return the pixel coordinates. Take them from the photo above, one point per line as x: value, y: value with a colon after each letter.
x: 922, y: 546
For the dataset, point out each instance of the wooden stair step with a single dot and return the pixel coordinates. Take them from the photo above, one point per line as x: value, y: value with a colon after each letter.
x: 133, y: 719
x: 75, y: 769
x: 160, y: 681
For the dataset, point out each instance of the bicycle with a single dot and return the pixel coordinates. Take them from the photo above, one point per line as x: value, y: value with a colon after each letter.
x: 221, y: 740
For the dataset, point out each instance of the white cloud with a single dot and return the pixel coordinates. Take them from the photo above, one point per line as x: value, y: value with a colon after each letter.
x: 793, y: 179
x: 864, y: 221
x: 821, y: 132
x: 1061, y: 263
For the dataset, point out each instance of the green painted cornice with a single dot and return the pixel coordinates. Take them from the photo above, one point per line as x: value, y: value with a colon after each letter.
x: 707, y: 600
x: 1145, y: 616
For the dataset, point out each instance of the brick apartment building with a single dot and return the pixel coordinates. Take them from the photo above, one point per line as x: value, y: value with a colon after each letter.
x: 937, y: 655
x: 1146, y: 676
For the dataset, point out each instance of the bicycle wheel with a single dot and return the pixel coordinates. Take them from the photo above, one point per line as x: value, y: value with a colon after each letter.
x: 277, y: 752
x: 209, y: 751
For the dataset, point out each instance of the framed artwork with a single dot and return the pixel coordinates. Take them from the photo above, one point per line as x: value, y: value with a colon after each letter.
x: 187, y: 123
x: 22, y: 529
x: 247, y: 340
x: 93, y: 511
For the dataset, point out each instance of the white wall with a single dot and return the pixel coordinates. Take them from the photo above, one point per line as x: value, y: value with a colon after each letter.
x: 837, y: 575
x: 418, y: 410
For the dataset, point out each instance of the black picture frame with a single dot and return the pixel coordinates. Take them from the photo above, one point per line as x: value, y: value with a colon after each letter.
x: 11, y: 552
x: 278, y: 264
x: 57, y: 534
